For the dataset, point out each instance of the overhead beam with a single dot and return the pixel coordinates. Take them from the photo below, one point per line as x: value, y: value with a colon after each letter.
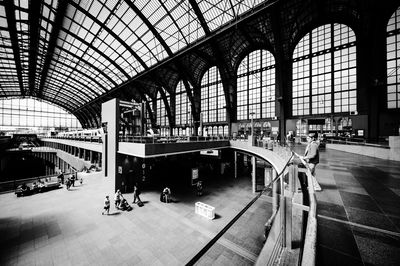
x: 33, y: 15
x: 77, y: 81
x: 10, y: 13
x: 112, y: 33
x: 173, y: 20
x: 150, y: 26
x: 73, y: 101
x: 200, y: 16
x: 97, y: 51
x: 243, y: 18
x: 83, y: 74
x: 89, y: 64
x: 55, y: 32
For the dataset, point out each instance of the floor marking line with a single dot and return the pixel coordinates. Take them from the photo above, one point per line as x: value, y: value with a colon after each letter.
x: 238, y: 249
x: 360, y: 225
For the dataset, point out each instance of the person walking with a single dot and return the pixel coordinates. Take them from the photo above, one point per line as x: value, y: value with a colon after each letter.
x: 62, y: 177
x: 106, y: 206
x: 311, y: 156
x: 68, y: 183
x: 136, y: 193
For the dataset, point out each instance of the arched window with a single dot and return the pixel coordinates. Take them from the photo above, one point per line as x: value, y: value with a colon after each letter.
x: 212, y: 97
x: 256, y: 86
x: 162, y: 117
x: 29, y: 112
x: 182, y: 105
x: 324, y: 71
x: 393, y: 59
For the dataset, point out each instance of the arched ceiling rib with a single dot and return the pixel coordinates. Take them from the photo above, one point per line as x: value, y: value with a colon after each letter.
x: 11, y: 61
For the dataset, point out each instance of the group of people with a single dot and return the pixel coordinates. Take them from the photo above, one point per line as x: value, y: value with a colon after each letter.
x: 121, y: 203
x: 71, y: 180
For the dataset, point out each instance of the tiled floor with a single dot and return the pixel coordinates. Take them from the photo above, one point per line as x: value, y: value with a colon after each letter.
x: 358, y: 223
x: 63, y: 227
x: 359, y: 210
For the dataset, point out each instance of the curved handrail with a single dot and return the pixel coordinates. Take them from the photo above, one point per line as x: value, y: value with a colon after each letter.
x: 269, y: 155
x: 219, y: 235
x: 282, y: 171
x: 310, y: 242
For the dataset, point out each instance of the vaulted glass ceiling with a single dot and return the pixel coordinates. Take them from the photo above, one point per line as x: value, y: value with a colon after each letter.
x: 70, y: 52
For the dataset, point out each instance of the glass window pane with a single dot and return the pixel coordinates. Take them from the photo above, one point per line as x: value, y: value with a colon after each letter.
x: 393, y: 61
x: 33, y: 113
x: 313, y: 67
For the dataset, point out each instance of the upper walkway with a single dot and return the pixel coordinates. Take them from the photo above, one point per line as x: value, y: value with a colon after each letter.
x: 358, y: 210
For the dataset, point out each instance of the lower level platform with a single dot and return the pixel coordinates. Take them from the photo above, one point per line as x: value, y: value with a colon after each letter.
x: 358, y: 221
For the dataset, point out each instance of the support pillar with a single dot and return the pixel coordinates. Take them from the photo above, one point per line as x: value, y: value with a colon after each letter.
x: 288, y: 195
x: 235, y: 159
x: 275, y: 199
x: 110, y: 123
x: 267, y: 175
x: 253, y: 173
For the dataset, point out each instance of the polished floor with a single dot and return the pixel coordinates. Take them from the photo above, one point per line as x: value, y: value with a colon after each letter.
x: 63, y: 227
x: 358, y: 210
x: 358, y: 222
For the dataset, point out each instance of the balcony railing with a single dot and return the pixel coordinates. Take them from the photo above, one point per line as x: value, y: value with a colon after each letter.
x: 86, y: 139
x: 169, y: 139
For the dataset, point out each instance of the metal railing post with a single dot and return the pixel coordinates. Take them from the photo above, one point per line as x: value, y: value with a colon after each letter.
x: 283, y: 211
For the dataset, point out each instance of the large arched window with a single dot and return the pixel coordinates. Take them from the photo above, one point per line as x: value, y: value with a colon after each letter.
x: 256, y: 86
x: 28, y: 112
x: 324, y: 72
x: 182, y: 105
x: 393, y: 61
x: 162, y: 117
x: 212, y: 97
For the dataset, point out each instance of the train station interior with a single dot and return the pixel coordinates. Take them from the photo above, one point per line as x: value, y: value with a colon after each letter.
x: 201, y: 114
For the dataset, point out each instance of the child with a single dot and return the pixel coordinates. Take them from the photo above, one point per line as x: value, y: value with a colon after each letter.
x: 106, y: 206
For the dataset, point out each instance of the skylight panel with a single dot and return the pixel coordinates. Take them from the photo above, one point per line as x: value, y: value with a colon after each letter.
x: 215, y: 13
x: 96, y: 10
x: 186, y: 20
x: 154, y: 12
x: 118, y: 27
x: 170, y: 34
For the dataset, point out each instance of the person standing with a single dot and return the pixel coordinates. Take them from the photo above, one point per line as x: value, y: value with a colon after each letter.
x: 136, y: 193
x: 311, y: 156
x: 117, y: 198
x: 73, y: 180
x: 199, y: 188
x: 106, y: 206
x: 290, y: 139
